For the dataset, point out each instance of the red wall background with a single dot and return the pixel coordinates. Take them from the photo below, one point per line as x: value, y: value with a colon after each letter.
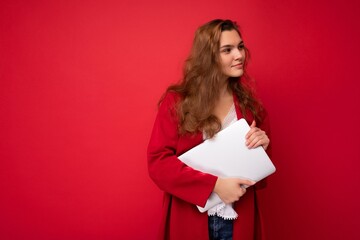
x: 79, y: 83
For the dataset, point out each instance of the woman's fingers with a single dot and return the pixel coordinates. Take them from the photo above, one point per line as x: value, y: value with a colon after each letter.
x: 259, y: 141
x: 254, y: 134
x: 256, y: 137
x: 253, y: 124
x: 245, y: 183
x: 231, y: 189
x: 252, y: 129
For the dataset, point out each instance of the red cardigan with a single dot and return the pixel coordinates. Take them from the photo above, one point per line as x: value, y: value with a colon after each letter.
x: 184, y: 187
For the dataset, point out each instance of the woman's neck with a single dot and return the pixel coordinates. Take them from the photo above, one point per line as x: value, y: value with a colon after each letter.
x: 225, y: 90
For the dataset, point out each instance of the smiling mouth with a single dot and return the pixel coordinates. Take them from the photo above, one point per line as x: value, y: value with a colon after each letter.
x: 240, y: 65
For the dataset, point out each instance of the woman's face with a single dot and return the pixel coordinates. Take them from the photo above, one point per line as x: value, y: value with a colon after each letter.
x: 232, y: 53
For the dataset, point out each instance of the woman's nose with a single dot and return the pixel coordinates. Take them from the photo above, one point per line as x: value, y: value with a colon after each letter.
x: 239, y: 53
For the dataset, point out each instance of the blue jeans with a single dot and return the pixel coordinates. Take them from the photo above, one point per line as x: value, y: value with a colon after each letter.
x: 220, y: 229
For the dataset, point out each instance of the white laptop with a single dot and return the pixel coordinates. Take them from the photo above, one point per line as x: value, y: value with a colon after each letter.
x: 226, y: 155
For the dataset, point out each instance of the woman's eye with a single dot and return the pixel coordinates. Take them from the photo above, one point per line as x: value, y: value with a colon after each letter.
x: 226, y: 50
x: 242, y: 46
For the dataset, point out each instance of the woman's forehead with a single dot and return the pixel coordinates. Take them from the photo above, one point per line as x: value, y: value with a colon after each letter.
x: 231, y: 37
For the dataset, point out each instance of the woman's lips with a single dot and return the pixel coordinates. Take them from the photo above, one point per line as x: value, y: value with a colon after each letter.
x: 240, y: 65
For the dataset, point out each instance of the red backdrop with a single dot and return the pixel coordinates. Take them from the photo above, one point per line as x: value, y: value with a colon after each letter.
x: 79, y: 83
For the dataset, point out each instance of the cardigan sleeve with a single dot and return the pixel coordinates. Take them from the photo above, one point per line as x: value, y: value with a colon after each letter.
x: 265, y: 126
x: 165, y: 169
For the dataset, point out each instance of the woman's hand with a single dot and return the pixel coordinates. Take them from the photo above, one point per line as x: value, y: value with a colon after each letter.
x: 256, y: 137
x: 231, y: 189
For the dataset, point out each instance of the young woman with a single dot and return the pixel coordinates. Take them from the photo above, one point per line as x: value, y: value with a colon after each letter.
x: 212, y: 95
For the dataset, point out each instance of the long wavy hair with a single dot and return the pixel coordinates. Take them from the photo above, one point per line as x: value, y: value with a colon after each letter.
x: 199, y: 88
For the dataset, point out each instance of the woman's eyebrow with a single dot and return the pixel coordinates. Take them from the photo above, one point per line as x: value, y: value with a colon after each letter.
x: 229, y: 45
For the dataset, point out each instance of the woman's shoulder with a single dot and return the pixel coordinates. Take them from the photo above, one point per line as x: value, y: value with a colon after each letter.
x: 170, y: 98
x: 167, y: 107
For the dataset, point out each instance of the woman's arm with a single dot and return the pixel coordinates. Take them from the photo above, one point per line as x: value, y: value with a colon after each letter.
x: 165, y: 169
x: 260, y: 137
